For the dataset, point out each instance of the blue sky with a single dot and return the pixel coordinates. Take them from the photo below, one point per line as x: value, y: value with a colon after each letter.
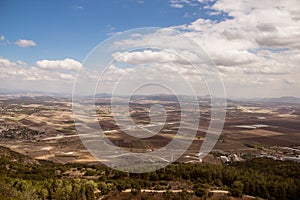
x: 72, y: 28
x: 254, y: 44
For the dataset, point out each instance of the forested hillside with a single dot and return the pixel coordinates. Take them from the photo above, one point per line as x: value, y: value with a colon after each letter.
x: 25, y: 178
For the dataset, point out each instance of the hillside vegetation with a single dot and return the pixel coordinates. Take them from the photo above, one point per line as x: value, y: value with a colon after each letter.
x: 24, y: 178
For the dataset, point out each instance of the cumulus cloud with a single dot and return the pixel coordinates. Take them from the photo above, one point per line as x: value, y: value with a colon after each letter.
x: 25, y: 43
x: 156, y: 67
x: 169, y: 75
x: 2, y: 38
x: 16, y: 71
x: 146, y: 57
x: 24, y: 71
x: 66, y: 64
x: 257, y: 45
x: 20, y: 75
x: 67, y: 76
x: 256, y: 48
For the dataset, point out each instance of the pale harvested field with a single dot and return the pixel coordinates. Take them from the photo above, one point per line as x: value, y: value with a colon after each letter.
x: 261, y: 132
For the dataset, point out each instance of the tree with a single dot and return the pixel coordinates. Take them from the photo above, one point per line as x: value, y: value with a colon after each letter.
x: 200, y: 192
x: 237, y: 189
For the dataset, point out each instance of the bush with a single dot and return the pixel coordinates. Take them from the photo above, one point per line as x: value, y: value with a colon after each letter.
x: 200, y: 192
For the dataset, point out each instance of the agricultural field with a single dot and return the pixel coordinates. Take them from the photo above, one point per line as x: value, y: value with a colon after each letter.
x: 43, y: 128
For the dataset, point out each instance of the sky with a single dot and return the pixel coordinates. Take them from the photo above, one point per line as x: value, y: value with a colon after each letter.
x: 255, y: 45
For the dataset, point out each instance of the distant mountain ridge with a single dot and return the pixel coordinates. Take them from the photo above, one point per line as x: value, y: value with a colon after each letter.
x: 284, y: 99
x: 21, y: 92
x: 162, y: 97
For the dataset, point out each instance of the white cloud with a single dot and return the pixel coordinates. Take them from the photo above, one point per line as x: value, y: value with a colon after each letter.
x: 169, y: 75
x: 2, y: 38
x: 256, y: 49
x: 23, y: 71
x: 155, y: 66
x: 20, y: 75
x: 66, y: 64
x: 181, y: 3
x: 25, y: 43
x: 146, y: 57
x: 67, y: 76
x: 16, y: 71
x: 176, y: 5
